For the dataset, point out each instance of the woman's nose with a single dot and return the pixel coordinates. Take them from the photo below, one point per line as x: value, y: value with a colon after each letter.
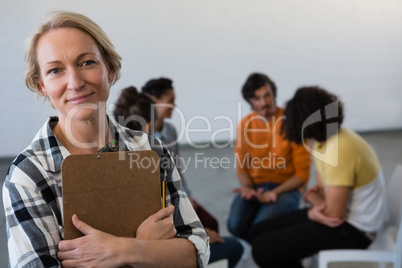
x: 74, y: 80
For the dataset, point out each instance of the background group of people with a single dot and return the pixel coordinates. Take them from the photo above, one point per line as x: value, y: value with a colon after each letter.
x: 71, y: 62
x: 346, y: 205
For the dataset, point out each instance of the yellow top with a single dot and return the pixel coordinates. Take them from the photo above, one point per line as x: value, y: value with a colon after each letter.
x: 346, y: 159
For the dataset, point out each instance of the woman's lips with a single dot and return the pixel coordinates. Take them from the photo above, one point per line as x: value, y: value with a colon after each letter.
x: 80, y: 99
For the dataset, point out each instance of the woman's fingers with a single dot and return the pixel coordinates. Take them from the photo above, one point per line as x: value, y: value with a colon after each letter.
x: 163, y: 213
x: 82, y: 226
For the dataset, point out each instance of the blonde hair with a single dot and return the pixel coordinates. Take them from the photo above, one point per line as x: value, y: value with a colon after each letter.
x: 62, y: 19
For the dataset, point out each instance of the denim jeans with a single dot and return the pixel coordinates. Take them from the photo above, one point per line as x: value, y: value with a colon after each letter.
x: 244, y: 213
x: 231, y: 250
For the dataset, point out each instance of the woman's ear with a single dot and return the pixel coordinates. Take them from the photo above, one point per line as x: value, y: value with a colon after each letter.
x: 111, y: 76
x: 42, y: 88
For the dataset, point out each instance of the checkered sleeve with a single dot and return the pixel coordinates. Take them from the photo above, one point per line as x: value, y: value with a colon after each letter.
x: 186, y: 221
x: 32, y: 227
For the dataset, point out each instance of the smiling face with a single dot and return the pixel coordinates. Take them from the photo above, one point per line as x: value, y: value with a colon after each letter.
x: 73, y: 73
x: 263, y: 101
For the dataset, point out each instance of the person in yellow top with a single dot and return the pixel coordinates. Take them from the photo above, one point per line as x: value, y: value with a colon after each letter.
x: 270, y: 169
x: 348, y: 202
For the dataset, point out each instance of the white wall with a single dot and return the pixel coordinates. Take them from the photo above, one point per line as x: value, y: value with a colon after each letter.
x: 209, y: 47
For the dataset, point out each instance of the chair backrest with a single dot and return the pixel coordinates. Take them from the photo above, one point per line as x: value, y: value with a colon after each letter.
x: 398, y: 247
x: 385, y: 239
x: 394, y: 198
x: 394, y: 201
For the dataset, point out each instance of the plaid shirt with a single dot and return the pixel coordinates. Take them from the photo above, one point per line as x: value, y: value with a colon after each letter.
x: 32, y: 195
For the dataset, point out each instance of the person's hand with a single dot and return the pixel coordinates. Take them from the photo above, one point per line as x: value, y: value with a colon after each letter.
x: 94, y: 249
x: 317, y: 214
x: 247, y: 193
x: 158, y: 226
x: 214, y: 236
x: 313, y: 190
x: 266, y: 197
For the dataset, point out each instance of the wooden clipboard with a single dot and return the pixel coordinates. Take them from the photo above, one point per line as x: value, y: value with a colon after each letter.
x: 113, y: 192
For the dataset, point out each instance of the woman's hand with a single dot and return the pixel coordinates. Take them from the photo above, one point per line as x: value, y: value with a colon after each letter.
x: 158, y: 226
x: 317, y: 214
x: 266, y: 197
x: 94, y: 249
x: 214, y: 236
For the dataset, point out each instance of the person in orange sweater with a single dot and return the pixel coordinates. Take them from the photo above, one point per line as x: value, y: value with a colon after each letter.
x: 270, y: 170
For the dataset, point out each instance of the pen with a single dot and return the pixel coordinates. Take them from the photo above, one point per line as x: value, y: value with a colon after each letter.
x: 164, y: 193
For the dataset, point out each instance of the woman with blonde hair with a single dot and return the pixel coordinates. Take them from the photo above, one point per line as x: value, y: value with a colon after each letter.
x: 72, y: 63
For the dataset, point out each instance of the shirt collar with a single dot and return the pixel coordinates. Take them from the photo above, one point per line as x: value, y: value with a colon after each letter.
x: 47, y: 149
x: 51, y: 153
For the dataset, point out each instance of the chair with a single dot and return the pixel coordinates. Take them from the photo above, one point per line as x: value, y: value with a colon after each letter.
x: 384, y: 249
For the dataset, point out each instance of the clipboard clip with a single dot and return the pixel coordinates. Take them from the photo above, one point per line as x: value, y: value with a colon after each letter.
x: 112, y: 146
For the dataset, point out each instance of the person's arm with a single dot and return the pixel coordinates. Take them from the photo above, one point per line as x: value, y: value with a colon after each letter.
x: 301, y: 161
x: 154, y: 246
x: 333, y: 210
x: 245, y: 179
x: 336, y: 199
x: 315, y: 195
x: 185, y: 219
x: 33, y: 225
x: 246, y: 189
x: 170, y: 140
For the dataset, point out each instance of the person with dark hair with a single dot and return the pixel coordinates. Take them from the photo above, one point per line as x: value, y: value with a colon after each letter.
x: 162, y: 92
x: 134, y: 109
x: 270, y: 169
x: 347, y: 206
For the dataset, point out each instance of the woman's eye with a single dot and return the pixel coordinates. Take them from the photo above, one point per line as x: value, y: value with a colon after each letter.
x: 88, y: 62
x: 54, y: 71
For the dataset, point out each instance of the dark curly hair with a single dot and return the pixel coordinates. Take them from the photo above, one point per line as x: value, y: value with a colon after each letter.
x: 306, y: 102
x: 254, y: 82
x: 157, y: 87
x: 133, y: 109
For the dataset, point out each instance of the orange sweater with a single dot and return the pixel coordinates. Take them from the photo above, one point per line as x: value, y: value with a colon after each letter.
x: 261, y: 151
